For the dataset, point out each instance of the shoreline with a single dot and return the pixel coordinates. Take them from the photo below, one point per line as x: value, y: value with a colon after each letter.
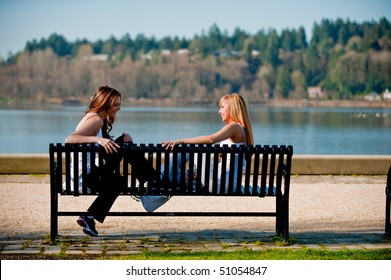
x: 277, y: 103
x: 326, y: 103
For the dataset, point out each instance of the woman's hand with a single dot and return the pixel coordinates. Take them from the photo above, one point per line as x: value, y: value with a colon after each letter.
x: 109, y: 145
x: 127, y: 137
x: 171, y: 144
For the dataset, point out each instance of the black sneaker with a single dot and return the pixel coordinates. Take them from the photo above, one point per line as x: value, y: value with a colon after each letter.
x: 88, y: 225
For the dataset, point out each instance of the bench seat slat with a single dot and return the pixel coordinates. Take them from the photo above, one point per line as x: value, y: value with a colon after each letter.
x: 172, y: 214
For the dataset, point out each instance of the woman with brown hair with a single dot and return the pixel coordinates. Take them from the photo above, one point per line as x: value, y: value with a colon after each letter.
x: 95, y: 127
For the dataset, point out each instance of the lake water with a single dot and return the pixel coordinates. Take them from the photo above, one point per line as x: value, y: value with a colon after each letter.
x: 310, y: 130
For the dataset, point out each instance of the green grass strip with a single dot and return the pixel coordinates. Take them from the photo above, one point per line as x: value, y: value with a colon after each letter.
x: 267, y: 254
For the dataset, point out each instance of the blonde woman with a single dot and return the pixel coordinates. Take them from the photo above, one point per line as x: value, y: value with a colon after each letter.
x: 236, y: 131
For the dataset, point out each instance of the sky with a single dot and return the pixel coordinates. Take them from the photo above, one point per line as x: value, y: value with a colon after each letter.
x: 25, y: 20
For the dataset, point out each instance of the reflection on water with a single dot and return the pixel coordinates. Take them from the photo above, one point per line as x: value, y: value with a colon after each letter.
x: 309, y: 130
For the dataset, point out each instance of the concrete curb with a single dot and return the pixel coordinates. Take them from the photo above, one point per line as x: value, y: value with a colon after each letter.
x: 301, y: 164
x: 340, y: 164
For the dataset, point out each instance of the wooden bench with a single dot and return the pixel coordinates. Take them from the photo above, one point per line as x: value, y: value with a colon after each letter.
x: 267, y: 167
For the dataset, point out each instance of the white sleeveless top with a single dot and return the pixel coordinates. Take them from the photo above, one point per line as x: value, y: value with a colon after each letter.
x: 229, y: 142
x: 80, y: 173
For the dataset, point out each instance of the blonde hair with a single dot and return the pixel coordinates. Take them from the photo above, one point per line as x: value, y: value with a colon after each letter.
x: 239, y: 114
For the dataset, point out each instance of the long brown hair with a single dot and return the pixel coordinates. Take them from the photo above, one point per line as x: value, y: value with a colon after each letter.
x: 103, y: 98
x: 239, y: 113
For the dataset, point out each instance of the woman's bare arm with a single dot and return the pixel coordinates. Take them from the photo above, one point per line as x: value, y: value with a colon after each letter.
x: 232, y: 131
x: 87, y: 132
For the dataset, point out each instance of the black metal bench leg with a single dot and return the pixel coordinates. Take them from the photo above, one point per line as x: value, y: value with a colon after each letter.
x: 53, y: 215
x: 388, y: 204
x: 285, y: 219
x: 388, y: 214
x: 279, y: 224
x: 279, y: 215
x: 53, y: 230
x: 282, y: 218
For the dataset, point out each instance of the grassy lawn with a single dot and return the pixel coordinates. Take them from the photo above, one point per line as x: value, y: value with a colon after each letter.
x: 268, y: 254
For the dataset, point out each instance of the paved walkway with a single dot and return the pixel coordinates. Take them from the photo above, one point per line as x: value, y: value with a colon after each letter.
x: 178, y: 242
x: 326, y: 212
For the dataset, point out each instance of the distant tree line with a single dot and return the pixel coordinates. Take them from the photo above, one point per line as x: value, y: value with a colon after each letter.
x: 345, y: 59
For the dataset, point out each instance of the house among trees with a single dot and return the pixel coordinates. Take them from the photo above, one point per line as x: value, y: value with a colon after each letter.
x: 316, y: 92
x: 227, y: 53
x: 255, y: 53
x: 97, y: 57
x: 373, y: 96
x: 387, y: 95
x: 183, y: 51
x: 166, y: 52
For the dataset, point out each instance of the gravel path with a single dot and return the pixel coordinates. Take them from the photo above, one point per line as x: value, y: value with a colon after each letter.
x: 317, y: 204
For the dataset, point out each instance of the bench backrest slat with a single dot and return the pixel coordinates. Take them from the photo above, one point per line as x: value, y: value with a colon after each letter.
x: 67, y: 169
x: 272, y: 168
x: 199, y: 171
x: 207, y: 167
x: 280, y: 169
x: 190, y: 171
x: 84, y: 167
x: 257, y: 152
x: 215, y: 175
x: 265, y: 161
x: 240, y: 163
x: 58, y: 170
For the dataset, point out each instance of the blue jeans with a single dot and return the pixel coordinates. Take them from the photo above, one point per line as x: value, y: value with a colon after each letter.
x: 219, y: 174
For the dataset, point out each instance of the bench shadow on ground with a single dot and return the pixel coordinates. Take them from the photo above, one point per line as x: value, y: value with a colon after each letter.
x: 240, y: 238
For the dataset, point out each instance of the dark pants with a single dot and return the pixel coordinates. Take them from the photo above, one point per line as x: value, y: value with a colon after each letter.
x: 110, y: 183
